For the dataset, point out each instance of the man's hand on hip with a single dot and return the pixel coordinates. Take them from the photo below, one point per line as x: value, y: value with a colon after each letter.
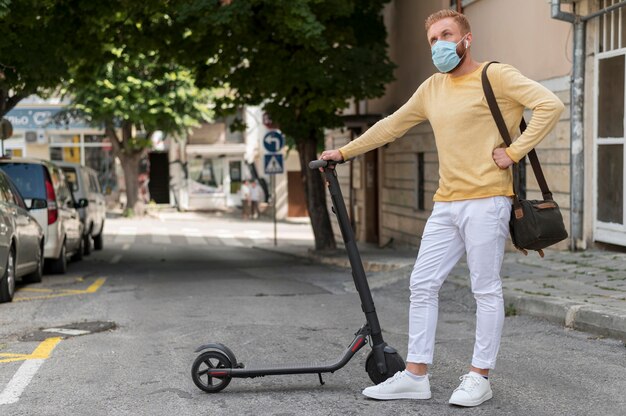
x: 501, y: 158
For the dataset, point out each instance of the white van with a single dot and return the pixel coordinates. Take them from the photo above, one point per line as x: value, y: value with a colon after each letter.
x: 87, y: 192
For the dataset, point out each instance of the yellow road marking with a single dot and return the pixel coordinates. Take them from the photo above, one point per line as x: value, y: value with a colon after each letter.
x: 34, y: 289
x: 96, y: 285
x: 42, y: 351
x: 57, y: 293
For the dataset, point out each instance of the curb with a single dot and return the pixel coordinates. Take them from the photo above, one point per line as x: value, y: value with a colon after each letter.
x: 596, y: 320
x: 582, y: 317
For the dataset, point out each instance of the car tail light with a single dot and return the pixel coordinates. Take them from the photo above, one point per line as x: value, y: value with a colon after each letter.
x: 53, y: 211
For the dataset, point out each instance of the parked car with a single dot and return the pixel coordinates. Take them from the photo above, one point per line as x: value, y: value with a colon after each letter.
x: 86, y: 190
x: 49, y: 199
x: 21, y: 241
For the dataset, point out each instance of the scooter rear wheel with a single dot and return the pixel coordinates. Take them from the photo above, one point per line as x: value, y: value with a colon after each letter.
x: 393, y: 361
x: 199, y: 371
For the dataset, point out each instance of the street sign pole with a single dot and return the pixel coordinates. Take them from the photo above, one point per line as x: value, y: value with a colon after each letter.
x: 273, y: 141
x: 273, y: 178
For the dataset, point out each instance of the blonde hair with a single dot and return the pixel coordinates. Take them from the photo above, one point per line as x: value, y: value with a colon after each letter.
x: 459, y: 18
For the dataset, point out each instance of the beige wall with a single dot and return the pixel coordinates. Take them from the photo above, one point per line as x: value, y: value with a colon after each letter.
x: 38, y: 151
x: 408, y: 49
x: 523, y: 34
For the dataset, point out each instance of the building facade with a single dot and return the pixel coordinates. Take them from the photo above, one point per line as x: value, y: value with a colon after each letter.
x: 390, y: 189
x: 37, y: 135
x: 218, y: 160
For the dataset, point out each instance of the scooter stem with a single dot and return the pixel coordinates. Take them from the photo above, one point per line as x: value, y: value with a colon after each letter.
x: 358, y: 272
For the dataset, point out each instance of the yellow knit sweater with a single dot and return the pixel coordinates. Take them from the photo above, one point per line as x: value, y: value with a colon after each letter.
x: 465, y: 132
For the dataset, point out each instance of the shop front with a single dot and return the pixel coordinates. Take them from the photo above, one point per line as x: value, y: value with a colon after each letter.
x: 36, y: 135
x: 215, y: 175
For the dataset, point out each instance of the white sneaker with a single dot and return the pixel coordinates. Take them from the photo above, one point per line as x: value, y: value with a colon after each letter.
x: 400, y: 386
x: 473, y: 390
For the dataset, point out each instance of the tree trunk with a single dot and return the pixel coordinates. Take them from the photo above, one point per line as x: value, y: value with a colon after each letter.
x: 130, y: 166
x: 130, y: 163
x: 315, y: 191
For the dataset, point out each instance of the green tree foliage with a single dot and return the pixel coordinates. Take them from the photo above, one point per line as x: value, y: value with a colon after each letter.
x: 303, y: 60
x: 27, y: 63
x: 132, y: 96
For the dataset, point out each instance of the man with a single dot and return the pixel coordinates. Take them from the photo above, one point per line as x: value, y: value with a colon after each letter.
x: 473, y: 202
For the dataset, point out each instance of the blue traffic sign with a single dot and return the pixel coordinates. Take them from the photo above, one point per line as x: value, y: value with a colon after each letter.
x: 273, y: 164
x: 273, y: 141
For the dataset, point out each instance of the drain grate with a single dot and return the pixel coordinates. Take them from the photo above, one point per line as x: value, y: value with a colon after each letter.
x: 69, y: 330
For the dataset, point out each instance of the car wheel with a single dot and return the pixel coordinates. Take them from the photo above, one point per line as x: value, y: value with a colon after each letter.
x: 7, y: 282
x: 59, y: 266
x: 87, y: 244
x: 35, y: 277
x: 97, y: 241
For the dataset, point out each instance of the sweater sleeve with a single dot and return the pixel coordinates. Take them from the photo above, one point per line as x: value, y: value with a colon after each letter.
x: 546, y: 109
x: 390, y: 128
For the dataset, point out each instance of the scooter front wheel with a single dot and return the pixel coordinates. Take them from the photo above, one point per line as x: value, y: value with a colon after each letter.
x: 200, y: 371
x: 393, y: 361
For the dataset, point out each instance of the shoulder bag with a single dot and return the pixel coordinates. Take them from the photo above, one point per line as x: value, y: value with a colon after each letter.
x: 534, y: 224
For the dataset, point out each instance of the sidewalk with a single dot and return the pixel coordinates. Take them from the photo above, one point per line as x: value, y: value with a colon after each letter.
x: 582, y: 290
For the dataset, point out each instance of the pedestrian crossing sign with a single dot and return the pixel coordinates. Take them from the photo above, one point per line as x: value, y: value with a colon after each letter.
x: 273, y: 164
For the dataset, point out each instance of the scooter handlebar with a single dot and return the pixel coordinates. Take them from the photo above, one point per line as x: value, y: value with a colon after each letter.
x: 317, y: 164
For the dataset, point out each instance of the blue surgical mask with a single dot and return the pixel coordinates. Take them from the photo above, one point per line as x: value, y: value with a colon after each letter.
x: 444, y: 55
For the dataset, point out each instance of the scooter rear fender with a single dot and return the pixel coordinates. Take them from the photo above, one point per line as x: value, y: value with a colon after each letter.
x: 221, y: 348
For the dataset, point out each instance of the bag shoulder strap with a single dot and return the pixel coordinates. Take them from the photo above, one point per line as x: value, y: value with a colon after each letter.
x: 497, y: 116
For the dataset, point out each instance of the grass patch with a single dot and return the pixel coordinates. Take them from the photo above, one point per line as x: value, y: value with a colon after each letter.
x: 509, y: 310
x: 547, y: 286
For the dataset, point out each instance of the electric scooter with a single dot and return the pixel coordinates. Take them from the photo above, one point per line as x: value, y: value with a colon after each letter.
x: 214, y: 368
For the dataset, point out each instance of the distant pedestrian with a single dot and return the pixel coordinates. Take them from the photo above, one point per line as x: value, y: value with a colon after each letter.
x: 473, y: 203
x: 245, y: 199
x: 255, y: 197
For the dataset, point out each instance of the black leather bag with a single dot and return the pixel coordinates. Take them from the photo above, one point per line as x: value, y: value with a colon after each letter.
x: 535, y: 224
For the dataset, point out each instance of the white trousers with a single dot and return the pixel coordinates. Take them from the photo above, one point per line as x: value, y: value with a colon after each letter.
x: 478, y: 228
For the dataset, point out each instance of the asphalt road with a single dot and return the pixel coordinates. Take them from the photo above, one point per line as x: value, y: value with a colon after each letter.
x: 167, y: 290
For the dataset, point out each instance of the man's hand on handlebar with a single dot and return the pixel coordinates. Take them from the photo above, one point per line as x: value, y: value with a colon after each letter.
x: 332, y: 155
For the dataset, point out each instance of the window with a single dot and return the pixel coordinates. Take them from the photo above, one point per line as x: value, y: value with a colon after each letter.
x: 612, y: 27
x: 611, y: 97
x: 93, y: 184
x: 72, y: 179
x: 60, y: 188
x: 205, y: 175
x: 611, y: 183
x: 610, y: 141
x: 28, y: 178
